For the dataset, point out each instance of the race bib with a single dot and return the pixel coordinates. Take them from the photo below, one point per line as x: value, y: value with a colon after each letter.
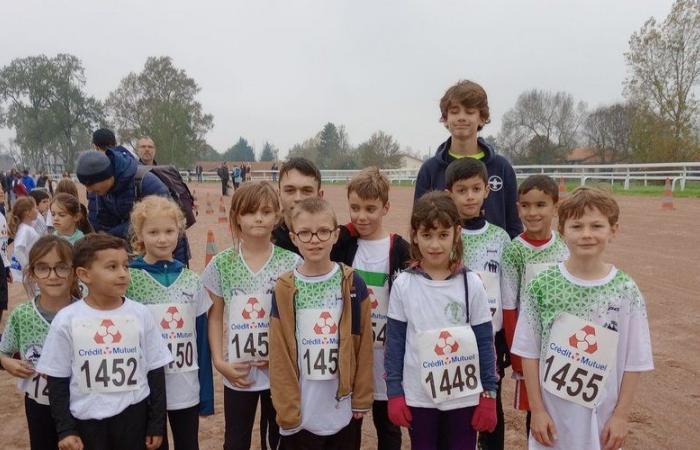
x: 318, y: 344
x: 177, y: 326
x: 379, y: 296
x: 107, y: 353
x: 449, y: 360
x: 248, y: 327
x: 36, y: 388
x: 492, y: 283
x: 579, y: 359
x: 532, y: 270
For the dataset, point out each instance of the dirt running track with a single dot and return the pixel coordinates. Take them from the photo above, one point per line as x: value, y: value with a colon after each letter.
x: 661, y: 251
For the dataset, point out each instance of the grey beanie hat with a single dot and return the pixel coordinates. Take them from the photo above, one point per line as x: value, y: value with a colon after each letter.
x: 93, y: 166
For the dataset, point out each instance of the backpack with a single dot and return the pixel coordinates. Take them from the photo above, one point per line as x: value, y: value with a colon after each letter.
x: 179, y: 191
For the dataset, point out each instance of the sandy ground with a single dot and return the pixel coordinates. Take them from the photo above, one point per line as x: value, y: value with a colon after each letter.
x: 658, y: 248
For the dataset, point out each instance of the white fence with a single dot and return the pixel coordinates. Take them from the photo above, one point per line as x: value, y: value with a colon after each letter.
x: 679, y: 173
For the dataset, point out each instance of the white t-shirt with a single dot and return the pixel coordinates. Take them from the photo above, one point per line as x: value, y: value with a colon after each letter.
x: 3, y: 241
x: 426, y: 305
x: 321, y: 413
x: 181, y: 376
x: 39, y: 225
x: 483, y: 249
x: 614, y: 303
x: 228, y: 276
x: 372, y: 264
x: 24, y: 241
x: 58, y: 358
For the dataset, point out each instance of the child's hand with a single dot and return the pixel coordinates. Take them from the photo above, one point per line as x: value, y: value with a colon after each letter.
x: 358, y: 415
x: 153, y: 442
x: 485, y: 418
x: 399, y: 413
x: 18, y: 368
x: 542, y: 428
x: 71, y: 442
x: 236, y: 373
x: 260, y: 364
x: 615, y: 432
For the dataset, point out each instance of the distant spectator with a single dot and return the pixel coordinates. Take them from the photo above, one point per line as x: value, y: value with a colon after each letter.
x: 274, y: 170
x: 18, y: 187
x: 28, y: 181
x: 224, y: 176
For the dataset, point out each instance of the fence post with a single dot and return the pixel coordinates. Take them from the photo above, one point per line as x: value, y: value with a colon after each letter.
x: 627, y: 180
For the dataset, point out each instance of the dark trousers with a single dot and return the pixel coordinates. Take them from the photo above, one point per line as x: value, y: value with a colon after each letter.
x: 239, y: 411
x: 224, y: 187
x: 496, y: 439
x: 42, y: 429
x: 305, y: 440
x: 184, y: 423
x: 388, y: 434
x: 125, y: 431
x: 432, y: 429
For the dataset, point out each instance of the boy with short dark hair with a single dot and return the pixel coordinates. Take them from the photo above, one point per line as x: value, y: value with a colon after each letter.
x: 105, y: 358
x: 583, y: 335
x: 536, y: 249
x: 377, y: 256
x: 464, y: 111
x: 483, y: 244
x: 320, y: 339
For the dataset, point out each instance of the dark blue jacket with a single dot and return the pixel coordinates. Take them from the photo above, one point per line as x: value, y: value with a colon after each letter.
x: 110, y: 212
x: 500, y: 205
x: 28, y: 182
x: 166, y: 272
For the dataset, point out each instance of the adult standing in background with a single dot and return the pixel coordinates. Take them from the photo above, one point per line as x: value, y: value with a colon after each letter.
x: 146, y: 149
x: 28, y: 181
x: 224, y: 176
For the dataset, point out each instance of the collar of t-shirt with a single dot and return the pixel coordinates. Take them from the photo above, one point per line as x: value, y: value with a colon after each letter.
x: 316, y: 278
x: 536, y: 242
x: 418, y: 270
x: 475, y: 223
x: 479, y: 155
x: 45, y: 313
x: 165, y: 272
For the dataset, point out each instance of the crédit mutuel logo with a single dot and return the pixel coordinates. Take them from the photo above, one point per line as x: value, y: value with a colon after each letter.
x: 106, y: 336
x: 582, y: 343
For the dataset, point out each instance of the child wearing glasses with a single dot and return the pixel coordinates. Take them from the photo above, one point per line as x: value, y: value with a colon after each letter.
x: 321, y: 355
x: 50, y: 266
x: 240, y: 281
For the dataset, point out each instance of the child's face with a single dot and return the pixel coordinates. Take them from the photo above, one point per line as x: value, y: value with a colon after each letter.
x: 463, y: 123
x: 318, y: 247
x: 536, y: 210
x: 63, y: 221
x: 258, y: 224
x: 469, y: 195
x: 108, y: 275
x: 367, y: 215
x: 435, y: 245
x: 589, y: 235
x: 159, y: 235
x: 43, y: 205
x: 295, y: 187
x: 53, y: 275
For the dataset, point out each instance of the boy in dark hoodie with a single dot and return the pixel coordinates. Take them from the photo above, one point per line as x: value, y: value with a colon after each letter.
x: 464, y: 112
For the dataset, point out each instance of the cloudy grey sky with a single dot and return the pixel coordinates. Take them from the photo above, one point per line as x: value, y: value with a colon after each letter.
x: 279, y: 70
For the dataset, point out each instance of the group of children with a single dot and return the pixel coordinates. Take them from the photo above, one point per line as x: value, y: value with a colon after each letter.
x: 322, y: 323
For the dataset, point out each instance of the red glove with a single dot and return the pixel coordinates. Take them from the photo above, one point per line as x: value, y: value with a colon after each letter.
x: 484, y: 418
x: 399, y: 412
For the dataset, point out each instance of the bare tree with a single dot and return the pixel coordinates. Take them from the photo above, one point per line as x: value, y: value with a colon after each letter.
x: 664, y: 67
x: 608, y: 131
x: 541, y: 127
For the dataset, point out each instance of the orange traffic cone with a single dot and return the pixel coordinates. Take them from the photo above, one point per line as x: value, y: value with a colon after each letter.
x: 210, y: 209
x: 667, y: 200
x: 222, y: 212
x: 211, y: 248
x: 562, y: 188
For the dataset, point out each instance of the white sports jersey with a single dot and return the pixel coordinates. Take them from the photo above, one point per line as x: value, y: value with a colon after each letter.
x: 106, y: 376
x: 483, y: 249
x: 247, y: 297
x: 521, y: 260
x: 3, y: 241
x: 175, y: 309
x: 372, y: 264
x: 445, y: 309
x: 318, y: 303
x: 613, y: 303
x: 24, y: 241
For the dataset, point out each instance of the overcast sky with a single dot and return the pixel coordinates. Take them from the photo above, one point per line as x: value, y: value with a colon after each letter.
x: 279, y: 70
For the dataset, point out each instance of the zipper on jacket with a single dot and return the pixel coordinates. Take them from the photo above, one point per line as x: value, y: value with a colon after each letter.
x: 340, y: 320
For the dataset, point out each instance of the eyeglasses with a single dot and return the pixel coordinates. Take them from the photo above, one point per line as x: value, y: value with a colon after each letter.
x: 323, y: 235
x: 61, y: 270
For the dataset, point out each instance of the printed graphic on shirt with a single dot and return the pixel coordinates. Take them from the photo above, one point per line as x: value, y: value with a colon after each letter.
x: 521, y: 261
x: 378, y: 290
x: 25, y: 334
x: 318, y: 306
